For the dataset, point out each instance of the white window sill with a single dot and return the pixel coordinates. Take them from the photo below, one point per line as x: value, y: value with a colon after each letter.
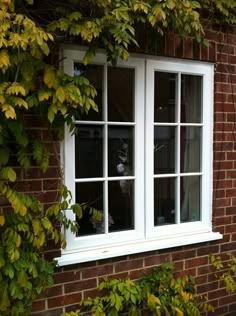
x: 68, y: 258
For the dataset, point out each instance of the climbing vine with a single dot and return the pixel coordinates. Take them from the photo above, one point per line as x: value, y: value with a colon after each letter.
x: 31, y: 81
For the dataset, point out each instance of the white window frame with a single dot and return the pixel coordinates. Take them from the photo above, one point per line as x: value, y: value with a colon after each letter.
x: 145, y: 237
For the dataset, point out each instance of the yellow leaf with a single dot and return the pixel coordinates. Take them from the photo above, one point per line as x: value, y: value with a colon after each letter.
x: 18, y: 241
x: 20, y: 102
x: 44, y: 95
x: 2, y: 220
x: 9, y: 111
x: 60, y: 94
x: 15, y: 88
x: 36, y: 226
x: 23, y: 210
x: 49, y: 77
x: 2, y: 99
x: 4, y: 60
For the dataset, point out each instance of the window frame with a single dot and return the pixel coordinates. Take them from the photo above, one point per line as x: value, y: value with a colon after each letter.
x: 144, y: 237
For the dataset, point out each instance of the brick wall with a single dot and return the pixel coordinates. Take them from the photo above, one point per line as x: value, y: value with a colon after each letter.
x: 79, y: 281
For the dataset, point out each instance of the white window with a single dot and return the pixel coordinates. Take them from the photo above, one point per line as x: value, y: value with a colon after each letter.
x: 144, y: 161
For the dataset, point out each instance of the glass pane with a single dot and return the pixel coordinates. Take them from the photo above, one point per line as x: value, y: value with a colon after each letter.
x: 94, y: 73
x: 90, y: 194
x: 190, y: 149
x: 164, y: 149
x: 190, y: 198
x: 191, y: 99
x: 164, y: 201
x: 121, y: 205
x: 120, y: 94
x: 89, y: 152
x: 120, y: 151
x: 165, y: 97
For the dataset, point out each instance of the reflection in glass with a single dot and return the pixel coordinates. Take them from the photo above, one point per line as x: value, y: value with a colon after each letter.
x: 120, y: 94
x: 90, y: 194
x: 94, y: 73
x: 120, y: 151
x: 191, y: 99
x: 89, y: 151
x: 190, y: 198
x: 164, y: 201
x: 164, y: 149
x: 121, y: 205
x: 190, y: 149
x: 165, y: 97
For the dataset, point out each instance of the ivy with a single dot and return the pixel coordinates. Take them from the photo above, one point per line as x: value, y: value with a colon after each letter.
x: 31, y: 82
x: 158, y: 292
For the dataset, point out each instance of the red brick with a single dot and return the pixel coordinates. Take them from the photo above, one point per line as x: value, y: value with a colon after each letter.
x: 232, y: 307
x: 188, y: 48
x: 129, y: 265
x: 91, y: 293
x: 227, y: 299
x: 212, y: 52
x: 219, y: 155
x: 80, y: 285
x: 233, y: 237
x: 204, y: 270
x: 222, y: 220
x: 224, y: 184
x: 38, y: 305
x: 222, y: 202
x: 170, y: 44
x: 63, y: 277
x: 207, y: 250
x: 179, y: 265
x: 220, y: 311
x: 219, y: 175
x: 64, y: 300
x: 192, y: 272
x: 225, y: 146
x: 199, y: 261
x: 205, y: 53
x: 183, y: 255
x: 201, y: 279
x: 135, y: 274
x: 220, y: 97
x: 228, y: 247
x: 179, y: 46
x: 219, y: 194
x: 29, y: 186
x: 230, y: 117
x: 219, y: 212
x: 219, y: 77
x: 207, y: 287
x: 230, y: 229
x: 52, y: 312
x: 53, y: 291
x: 223, y: 165
x: 97, y: 271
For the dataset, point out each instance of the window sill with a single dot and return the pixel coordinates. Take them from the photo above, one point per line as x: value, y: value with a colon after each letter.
x: 74, y: 257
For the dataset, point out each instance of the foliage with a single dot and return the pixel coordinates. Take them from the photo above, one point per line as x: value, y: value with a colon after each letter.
x: 31, y: 82
x: 227, y: 271
x: 221, y: 11
x: 158, y: 292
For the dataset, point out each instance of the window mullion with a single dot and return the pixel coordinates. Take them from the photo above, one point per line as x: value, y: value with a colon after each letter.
x: 178, y: 150
x: 105, y: 142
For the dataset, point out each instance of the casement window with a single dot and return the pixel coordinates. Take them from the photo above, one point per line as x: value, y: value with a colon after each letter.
x: 144, y: 161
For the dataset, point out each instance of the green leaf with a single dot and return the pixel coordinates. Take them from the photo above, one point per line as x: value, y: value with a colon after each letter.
x: 4, y: 298
x: 4, y: 155
x: 7, y: 173
x: 60, y: 94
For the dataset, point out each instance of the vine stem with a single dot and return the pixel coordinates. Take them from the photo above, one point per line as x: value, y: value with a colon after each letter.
x: 18, y: 65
